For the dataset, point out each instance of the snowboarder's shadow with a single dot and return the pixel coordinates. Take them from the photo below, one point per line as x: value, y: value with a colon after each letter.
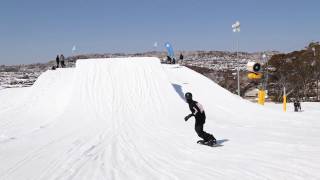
x: 221, y: 141
x: 175, y: 67
x: 178, y: 89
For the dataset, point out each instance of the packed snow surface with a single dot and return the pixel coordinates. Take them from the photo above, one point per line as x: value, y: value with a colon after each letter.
x: 123, y: 118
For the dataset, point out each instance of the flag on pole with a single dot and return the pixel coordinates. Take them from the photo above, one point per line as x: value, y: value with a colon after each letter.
x: 169, y: 49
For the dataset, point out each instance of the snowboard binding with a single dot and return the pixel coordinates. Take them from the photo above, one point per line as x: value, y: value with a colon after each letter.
x: 211, y: 142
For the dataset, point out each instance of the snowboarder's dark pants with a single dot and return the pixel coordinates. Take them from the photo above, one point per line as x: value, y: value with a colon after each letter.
x: 205, y: 136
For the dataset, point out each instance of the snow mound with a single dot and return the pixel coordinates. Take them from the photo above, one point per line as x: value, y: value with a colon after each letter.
x: 122, y: 118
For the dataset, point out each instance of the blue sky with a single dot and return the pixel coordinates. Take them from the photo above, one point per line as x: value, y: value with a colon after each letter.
x: 37, y: 30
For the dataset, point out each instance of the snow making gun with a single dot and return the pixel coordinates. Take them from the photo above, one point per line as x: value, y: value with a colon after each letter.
x: 254, y: 73
x: 254, y: 70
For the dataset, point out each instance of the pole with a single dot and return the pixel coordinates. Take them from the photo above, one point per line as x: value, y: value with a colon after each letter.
x: 318, y: 89
x: 261, y: 97
x: 238, y: 67
x: 266, y: 71
x: 267, y: 77
x: 317, y: 82
x: 155, y: 45
x: 284, y: 99
x: 236, y: 28
x: 316, y: 74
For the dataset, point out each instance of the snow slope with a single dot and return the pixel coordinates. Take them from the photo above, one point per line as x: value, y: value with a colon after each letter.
x: 122, y: 118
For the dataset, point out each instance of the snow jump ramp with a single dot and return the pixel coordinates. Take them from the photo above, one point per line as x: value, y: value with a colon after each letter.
x: 122, y: 118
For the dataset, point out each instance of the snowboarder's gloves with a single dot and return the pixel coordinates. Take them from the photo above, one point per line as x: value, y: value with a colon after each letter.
x: 187, y: 117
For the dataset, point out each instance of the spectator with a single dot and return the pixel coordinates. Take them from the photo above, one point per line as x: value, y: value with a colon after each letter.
x: 58, y: 61
x: 297, y: 105
x: 181, y: 57
x: 62, y: 61
x: 168, y: 60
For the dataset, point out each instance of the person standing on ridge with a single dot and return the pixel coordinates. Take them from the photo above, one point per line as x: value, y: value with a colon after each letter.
x: 181, y: 57
x: 169, y: 60
x: 62, y: 61
x: 198, y: 112
x: 58, y: 61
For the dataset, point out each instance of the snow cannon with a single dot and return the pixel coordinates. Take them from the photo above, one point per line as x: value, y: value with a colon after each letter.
x: 254, y: 69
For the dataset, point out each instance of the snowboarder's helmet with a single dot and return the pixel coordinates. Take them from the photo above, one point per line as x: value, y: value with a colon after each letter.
x: 188, y: 96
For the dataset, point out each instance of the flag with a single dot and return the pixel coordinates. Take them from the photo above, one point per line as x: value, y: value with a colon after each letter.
x: 169, y: 49
x: 155, y: 44
x: 74, y: 49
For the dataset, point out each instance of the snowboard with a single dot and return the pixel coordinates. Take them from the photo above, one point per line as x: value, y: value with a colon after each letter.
x: 214, y: 145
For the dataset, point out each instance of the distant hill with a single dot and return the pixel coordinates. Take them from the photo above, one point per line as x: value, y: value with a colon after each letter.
x: 220, y: 65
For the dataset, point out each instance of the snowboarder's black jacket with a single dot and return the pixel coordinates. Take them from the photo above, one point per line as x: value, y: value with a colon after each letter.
x: 197, y: 111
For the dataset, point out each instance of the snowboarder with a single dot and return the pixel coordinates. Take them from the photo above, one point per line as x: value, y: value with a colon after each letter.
x: 200, y: 116
x: 58, y: 61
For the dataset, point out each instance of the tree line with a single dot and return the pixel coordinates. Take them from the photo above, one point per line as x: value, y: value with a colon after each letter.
x: 298, y: 72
